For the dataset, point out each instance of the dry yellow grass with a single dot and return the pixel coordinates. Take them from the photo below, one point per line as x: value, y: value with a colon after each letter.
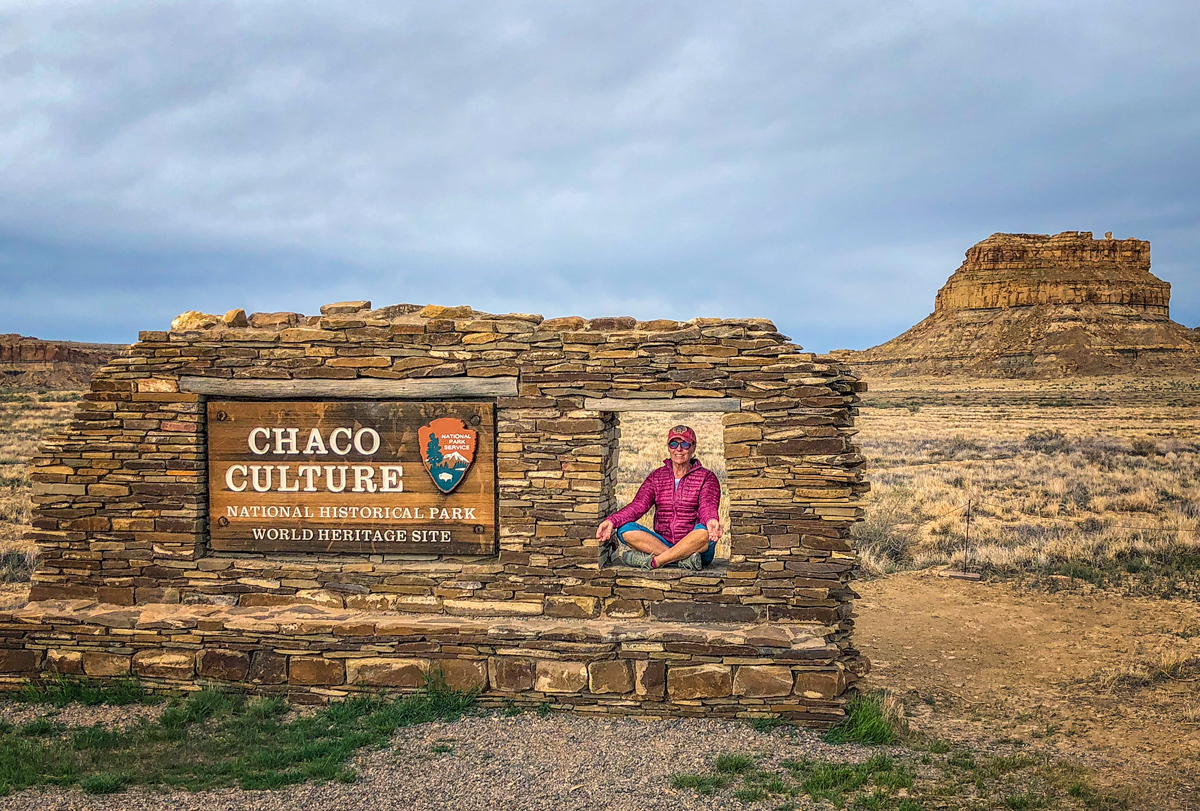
x: 24, y: 418
x: 1067, y: 476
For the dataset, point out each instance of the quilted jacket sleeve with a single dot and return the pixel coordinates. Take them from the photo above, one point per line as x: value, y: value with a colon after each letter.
x: 636, y: 508
x: 710, y: 498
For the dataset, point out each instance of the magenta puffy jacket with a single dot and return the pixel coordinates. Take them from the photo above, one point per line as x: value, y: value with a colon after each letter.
x: 675, y: 514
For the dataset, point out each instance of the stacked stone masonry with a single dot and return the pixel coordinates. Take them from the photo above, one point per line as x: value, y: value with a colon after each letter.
x: 121, y: 509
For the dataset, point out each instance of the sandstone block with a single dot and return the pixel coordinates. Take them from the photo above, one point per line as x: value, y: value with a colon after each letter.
x: 192, y: 320
x: 618, y: 608
x: 306, y: 334
x: 462, y: 674
x: 66, y: 662
x: 224, y: 665
x: 510, y: 674
x: 107, y: 490
x: 313, y: 670
x: 105, y: 664
x: 743, y: 433
x: 760, y: 681
x: 268, y: 667
x: 386, y: 672
x: 699, y: 681
x: 820, y: 684
x: 689, y: 611
x: 18, y: 661
x: 492, y: 608
x: 650, y: 678
x: 561, y: 677
x: 158, y: 385
x: 570, y: 323
x: 164, y: 664
x: 274, y: 320
x: 610, y: 677
x: 345, y: 307
x: 561, y: 605
x: 438, y: 311
x: 236, y: 319
x: 769, y: 636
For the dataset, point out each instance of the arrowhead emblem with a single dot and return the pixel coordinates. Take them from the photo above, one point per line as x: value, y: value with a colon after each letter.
x: 447, y: 449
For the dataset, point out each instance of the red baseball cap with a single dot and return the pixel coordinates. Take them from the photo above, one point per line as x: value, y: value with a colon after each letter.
x: 682, y: 432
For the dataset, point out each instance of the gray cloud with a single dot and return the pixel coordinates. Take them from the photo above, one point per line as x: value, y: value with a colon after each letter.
x: 824, y: 165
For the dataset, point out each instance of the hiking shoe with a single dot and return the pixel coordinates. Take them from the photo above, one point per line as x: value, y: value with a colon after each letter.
x: 692, y: 562
x: 636, y: 559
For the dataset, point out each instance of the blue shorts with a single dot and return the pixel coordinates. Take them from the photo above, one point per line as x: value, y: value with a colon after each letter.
x: 706, y: 557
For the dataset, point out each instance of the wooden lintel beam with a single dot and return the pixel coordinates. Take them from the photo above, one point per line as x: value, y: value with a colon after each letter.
x: 674, y: 404
x: 358, y: 389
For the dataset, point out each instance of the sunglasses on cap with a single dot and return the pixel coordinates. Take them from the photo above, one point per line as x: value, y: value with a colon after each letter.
x: 679, y: 443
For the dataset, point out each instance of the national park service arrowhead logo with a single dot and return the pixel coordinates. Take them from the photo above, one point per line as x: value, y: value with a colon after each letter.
x: 448, y: 449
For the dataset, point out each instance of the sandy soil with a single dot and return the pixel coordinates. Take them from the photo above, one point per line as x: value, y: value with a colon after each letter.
x: 987, y: 662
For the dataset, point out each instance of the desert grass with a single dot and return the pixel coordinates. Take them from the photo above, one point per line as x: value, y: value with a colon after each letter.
x: 1093, y: 479
x: 25, y: 417
x: 900, y: 779
x: 643, y: 448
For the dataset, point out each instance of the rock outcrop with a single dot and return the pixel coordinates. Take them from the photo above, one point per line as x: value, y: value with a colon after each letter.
x: 1033, y: 305
x: 30, y: 362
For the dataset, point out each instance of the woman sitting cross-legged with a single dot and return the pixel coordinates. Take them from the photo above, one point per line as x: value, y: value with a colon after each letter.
x: 686, y: 496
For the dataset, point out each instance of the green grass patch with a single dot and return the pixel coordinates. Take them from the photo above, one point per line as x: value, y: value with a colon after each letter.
x: 832, y: 782
x: 700, y: 783
x: 767, y: 724
x: 730, y: 763
x: 213, y: 740
x: 884, y: 782
x: 60, y: 691
x: 106, y: 782
x: 865, y: 722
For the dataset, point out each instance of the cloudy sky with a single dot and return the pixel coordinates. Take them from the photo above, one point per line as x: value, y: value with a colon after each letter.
x: 823, y: 164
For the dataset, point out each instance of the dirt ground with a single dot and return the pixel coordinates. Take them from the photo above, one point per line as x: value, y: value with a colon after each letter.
x: 986, y: 663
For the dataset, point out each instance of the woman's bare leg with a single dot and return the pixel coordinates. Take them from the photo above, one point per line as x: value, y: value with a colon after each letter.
x: 644, y: 542
x: 690, y: 544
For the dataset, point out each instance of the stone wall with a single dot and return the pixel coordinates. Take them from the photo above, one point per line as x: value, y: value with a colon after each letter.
x: 120, y: 501
x: 312, y: 654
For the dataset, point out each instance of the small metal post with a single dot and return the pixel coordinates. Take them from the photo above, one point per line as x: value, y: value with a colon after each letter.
x: 967, y: 541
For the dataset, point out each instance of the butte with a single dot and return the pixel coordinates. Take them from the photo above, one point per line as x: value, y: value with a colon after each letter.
x: 1040, y: 306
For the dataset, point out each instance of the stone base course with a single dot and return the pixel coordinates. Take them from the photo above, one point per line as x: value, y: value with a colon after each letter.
x: 316, y: 654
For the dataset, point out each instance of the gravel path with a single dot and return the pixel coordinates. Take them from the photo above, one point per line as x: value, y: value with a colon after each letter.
x: 561, y: 762
x: 78, y: 715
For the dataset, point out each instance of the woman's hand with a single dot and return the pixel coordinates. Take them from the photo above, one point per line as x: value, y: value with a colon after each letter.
x: 604, y: 531
x: 714, y: 529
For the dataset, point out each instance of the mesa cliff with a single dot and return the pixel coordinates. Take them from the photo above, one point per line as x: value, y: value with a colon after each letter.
x: 1040, y: 306
x: 31, y: 362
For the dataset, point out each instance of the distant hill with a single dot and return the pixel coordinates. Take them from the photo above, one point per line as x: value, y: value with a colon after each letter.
x: 34, y: 363
x: 1040, y: 306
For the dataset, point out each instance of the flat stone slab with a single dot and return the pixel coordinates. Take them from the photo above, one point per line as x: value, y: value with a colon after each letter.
x: 315, y: 620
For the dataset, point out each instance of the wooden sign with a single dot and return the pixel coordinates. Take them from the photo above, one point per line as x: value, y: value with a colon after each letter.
x: 352, y: 476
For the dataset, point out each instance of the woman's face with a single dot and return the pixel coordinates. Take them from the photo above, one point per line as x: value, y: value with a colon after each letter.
x: 680, y: 455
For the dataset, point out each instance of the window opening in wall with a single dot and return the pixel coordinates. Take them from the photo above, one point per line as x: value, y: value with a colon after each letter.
x: 642, y: 448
